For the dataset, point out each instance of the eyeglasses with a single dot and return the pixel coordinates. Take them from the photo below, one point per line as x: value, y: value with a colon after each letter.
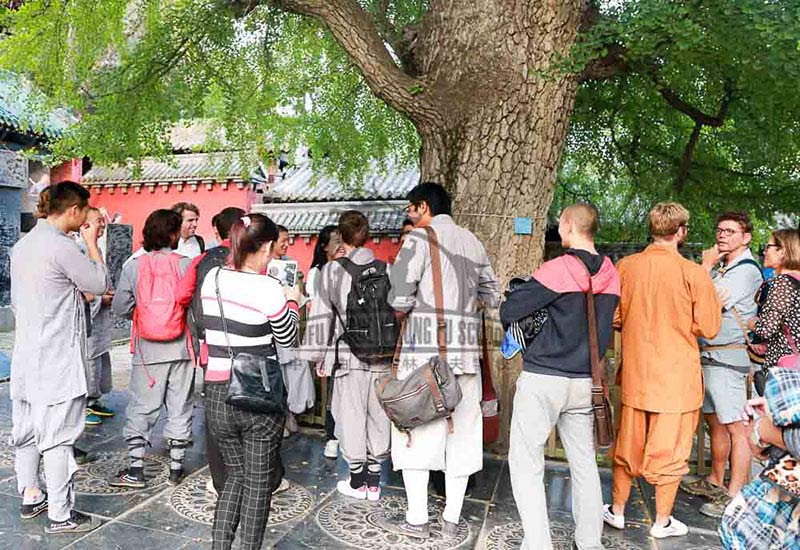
x: 726, y: 231
x: 768, y: 246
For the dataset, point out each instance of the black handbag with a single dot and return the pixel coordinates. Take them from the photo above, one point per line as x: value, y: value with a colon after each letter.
x: 256, y: 381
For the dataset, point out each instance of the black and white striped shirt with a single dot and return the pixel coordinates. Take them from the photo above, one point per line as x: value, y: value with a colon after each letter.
x: 257, y: 314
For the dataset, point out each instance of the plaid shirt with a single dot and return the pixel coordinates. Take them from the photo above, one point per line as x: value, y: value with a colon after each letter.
x: 763, y: 516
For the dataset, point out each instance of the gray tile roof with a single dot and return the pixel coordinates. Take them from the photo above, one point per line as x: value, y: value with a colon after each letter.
x: 385, y: 217
x: 179, y: 168
x: 303, y: 184
x: 20, y: 108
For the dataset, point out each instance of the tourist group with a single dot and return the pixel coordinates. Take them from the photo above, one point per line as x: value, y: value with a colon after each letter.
x: 400, y: 345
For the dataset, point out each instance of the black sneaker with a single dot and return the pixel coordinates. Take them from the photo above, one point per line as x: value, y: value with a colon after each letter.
x: 77, y: 523
x: 132, y: 478
x: 81, y: 457
x: 175, y: 476
x: 30, y: 511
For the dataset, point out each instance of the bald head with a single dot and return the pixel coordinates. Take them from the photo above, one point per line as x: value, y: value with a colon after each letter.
x: 584, y: 219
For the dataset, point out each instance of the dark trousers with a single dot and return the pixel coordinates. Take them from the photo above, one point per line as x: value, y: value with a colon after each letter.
x: 216, y: 466
x: 250, y: 444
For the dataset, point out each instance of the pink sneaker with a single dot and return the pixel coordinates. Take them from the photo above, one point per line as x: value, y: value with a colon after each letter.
x: 346, y: 489
x: 373, y: 493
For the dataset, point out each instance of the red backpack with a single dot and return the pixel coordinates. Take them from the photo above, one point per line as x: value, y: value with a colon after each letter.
x: 157, y: 315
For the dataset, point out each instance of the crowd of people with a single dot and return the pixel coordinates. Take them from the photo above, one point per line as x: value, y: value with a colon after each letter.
x: 400, y: 347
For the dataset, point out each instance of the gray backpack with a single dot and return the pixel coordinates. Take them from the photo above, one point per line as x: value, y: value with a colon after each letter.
x: 432, y: 390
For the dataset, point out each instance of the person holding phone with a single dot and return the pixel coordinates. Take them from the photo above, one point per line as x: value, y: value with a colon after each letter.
x: 296, y: 371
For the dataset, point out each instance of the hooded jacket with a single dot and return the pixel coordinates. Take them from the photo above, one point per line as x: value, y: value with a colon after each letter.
x: 562, y: 346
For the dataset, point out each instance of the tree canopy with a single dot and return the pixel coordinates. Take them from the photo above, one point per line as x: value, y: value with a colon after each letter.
x: 691, y: 100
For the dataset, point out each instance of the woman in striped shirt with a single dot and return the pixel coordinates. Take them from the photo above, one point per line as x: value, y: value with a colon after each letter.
x: 259, y: 315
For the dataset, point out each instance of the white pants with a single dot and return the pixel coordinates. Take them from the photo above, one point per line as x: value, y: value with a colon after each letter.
x: 416, y: 482
x: 540, y: 403
x: 48, y: 431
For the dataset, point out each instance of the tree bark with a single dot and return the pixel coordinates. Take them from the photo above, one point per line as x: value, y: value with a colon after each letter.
x: 499, y: 149
x: 492, y: 126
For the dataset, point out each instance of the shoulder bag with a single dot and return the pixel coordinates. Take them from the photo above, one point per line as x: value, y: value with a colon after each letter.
x: 256, y: 381
x: 430, y: 391
x: 601, y: 406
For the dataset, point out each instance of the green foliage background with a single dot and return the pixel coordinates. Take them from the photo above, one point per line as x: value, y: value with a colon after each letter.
x: 273, y: 80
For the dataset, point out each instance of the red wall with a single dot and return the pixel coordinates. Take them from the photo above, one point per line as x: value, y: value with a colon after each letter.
x: 72, y: 170
x: 304, y: 252
x: 135, y: 207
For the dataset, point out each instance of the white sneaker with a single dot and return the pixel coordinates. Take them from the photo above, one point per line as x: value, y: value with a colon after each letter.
x: 331, y: 449
x: 674, y: 528
x: 210, y: 487
x: 345, y: 488
x: 282, y: 487
x: 614, y: 520
x: 373, y: 494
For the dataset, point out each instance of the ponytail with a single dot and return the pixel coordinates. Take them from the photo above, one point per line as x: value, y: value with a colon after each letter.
x: 248, y: 235
x: 43, y: 206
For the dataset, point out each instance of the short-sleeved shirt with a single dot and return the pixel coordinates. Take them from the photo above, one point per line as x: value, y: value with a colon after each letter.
x: 742, y: 277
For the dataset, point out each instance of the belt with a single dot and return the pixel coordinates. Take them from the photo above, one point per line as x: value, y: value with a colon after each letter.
x: 727, y: 346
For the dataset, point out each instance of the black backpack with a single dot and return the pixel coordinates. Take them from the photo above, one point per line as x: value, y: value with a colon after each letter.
x: 370, y: 326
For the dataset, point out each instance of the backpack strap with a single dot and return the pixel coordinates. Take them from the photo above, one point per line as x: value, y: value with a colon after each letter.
x: 746, y: 261
x: 354, y: 270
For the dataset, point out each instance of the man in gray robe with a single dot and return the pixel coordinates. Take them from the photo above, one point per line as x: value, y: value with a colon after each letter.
x: 48, y: 383
x: 468, y: 283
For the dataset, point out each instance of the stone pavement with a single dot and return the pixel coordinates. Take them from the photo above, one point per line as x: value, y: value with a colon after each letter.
x: 310, y: 514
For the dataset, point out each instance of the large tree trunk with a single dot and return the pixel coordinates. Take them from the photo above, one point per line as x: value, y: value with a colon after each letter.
x: 499, y: 147
x: 492, y: 125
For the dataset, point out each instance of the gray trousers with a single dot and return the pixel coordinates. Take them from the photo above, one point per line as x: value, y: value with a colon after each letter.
x: 48, y: 431
x: 540, y: 403
x: 172, y: 388
x: 98, y: 377
x: 362, y: 427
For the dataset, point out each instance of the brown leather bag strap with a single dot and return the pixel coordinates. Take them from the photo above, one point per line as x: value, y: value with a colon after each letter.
x: 438, y: 296
x: 594, y: 346
x: 398, y: 346
x: 742, y: 326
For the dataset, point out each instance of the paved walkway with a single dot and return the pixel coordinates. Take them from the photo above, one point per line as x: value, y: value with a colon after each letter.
x: 310, y: 514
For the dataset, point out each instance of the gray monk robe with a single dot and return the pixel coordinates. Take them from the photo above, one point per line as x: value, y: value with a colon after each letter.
x: 48, y: 382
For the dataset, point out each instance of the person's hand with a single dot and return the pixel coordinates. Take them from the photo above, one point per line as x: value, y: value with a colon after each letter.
x: 292, y: 293
x: 106, y: 298
x: 755, y: 408
x: 751, y: 323
x: 711, y: 257
x: 89, y: 297
x: 90, y: 231
x: 759, y: 349
x: 321, y: 370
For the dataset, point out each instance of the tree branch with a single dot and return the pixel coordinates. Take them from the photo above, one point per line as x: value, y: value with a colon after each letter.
x: 609, y: 66
x: 355, y: 30
x: 686, y: 160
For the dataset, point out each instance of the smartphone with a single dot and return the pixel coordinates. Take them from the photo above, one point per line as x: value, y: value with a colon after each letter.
x: 283, y: 270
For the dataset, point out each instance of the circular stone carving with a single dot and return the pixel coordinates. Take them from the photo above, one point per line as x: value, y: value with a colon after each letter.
x: 359, y: 524
x: 510, y: 535
x: 93, y: 477
x: 191, y: 500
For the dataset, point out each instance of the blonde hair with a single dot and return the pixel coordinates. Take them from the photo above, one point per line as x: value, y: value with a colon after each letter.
x: 789, y: 241
x: 666, y: 218
x: 585, y: 217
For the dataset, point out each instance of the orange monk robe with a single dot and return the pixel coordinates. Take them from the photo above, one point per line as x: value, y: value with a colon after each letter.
x: 666, y: 303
